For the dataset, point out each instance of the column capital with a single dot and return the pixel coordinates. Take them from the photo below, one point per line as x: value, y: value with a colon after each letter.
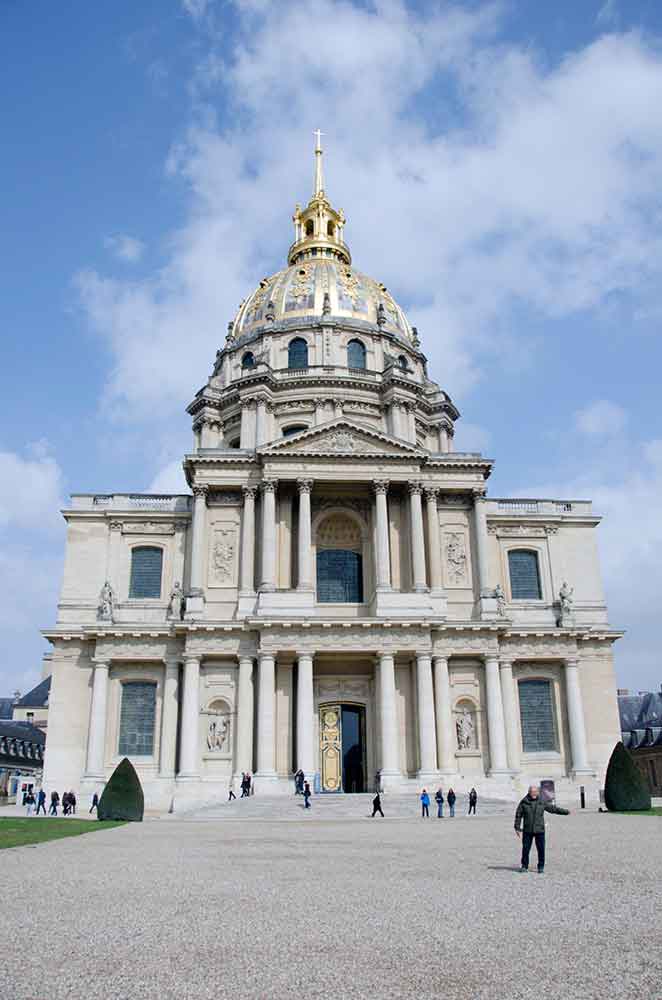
x: 438, y: 657
x: 571, y: 661
x: 505, y: 661
x: 305, y: 485
x: 192, y: 659
x: 249, y: 491
x: 101, y: 664
x: 263, y: 655
x: 200, y: 492
x: 172, y: 661
x: 304, y: 656
x: 249, y: 403
x: 478, y: 494
x: 380, y: 486
x: 431, y: 493
x: 269, y: 485
x: 115, y: 525
x: 415, y: 488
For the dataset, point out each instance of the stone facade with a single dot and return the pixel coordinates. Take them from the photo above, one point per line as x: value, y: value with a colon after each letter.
x: 301, y: 451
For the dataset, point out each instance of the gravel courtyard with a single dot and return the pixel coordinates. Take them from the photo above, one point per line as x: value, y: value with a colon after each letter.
x: 208, y: 908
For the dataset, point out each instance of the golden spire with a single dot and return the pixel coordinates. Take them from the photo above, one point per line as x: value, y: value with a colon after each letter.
x: 318, y: 190
x: 319, y: 227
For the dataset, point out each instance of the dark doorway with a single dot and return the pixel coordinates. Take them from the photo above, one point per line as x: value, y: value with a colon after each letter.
x: 353, y: 748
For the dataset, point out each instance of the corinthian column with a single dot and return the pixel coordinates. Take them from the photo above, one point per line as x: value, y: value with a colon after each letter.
x: 495, y: 722
x: 169, y: 709
x: 96, y: 741
x: 248, y: 543
x: 390, y: 768
x: 198, y: 539
x: 268, y: 535
x: 580, y: 765
x: 508, y: 693
x: 245, y: 703
x: 382, y: 551
x: 188, y: 758
x: 266, y: 717
x: 305, y: 552
x: 417, y: 537
x: 444, y: 717
x: 305, y: 706
x: 434, y: 540
x: 427, y: 750
x: 480, y: 532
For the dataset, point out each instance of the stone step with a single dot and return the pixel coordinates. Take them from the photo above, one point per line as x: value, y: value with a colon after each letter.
x: 330, y: 807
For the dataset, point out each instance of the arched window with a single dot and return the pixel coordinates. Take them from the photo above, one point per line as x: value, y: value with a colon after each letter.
x: 355, y: 354
x: 310, y: 228
x: 294, y: 429
x: 330, y: 229
x: 297, y: 353
x: 137, y: 719
x: 524, y: 575
x: 536, y: 712
x: 402, y: 362
x: 146, y: 566
x: 339, y: 561
x: 248, y: 360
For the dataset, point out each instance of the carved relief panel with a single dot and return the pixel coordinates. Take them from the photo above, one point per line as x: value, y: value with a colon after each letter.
x: 223, y: 554
x: 455, y: 557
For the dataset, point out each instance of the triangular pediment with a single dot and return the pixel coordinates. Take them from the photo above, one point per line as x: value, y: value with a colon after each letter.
x: 341, y: 437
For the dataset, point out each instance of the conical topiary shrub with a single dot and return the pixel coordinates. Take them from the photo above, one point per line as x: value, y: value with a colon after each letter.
x: 122, y: 798
x: 625, y: 785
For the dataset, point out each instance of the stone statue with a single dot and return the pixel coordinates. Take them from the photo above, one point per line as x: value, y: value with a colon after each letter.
x: 500, y: 600
x: 106, y: 601
x: 566, y: 602
x: 465, y: 731
x: 177, y: 603
x: 218, y: 734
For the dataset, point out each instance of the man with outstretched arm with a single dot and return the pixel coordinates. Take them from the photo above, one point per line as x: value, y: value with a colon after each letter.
x: 530, y: 825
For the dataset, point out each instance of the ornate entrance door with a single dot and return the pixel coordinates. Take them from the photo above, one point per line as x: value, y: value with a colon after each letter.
x: 331, y: 747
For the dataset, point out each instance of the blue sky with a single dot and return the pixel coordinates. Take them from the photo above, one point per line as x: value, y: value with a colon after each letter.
x: 499, y: 165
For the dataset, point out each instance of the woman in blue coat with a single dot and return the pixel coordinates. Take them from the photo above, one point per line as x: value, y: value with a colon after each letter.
x: 425, y: 804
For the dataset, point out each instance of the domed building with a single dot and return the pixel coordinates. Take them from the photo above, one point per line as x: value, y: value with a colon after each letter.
x: 338, y: 594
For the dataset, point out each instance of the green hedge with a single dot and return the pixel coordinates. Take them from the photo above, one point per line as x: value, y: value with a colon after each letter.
x: 122, y: 797
x: 625, y: 785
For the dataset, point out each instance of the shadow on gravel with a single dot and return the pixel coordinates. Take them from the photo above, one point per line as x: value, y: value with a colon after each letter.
x: 503, y: 868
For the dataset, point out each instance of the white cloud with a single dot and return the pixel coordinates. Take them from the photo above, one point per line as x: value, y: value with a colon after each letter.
x: 608, y: 15
x: 546, y: 196
x: 169, y: 479
x: 30, y: 491
x: 601, y: 418
x: 126, y: 248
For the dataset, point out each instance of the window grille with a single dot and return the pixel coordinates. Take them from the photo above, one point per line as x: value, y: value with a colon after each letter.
x: 537, y: 716
x: 524, y: 575
x: 339, y: 577
x: 146, y: 566
x: 297, y: 353
x: 137, y: 719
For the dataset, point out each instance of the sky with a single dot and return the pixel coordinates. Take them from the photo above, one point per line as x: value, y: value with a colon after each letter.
x: 499, y: 165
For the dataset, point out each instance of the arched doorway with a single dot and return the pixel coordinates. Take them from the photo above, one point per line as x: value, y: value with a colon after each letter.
x: 343, y: 748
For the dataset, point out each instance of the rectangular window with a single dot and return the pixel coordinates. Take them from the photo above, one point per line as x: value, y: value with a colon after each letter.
x: 137, y: 719
x: 524, y: 575
x: 146, y: 567
x: 537, y: 716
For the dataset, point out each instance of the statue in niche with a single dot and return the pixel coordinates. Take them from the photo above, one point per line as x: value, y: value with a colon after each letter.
x: 566, y: 602
x: 218, y: 734
x: 465, y: 731
x: 177, y: 603
x: 456, y: 557
x: 106, y: 602
x: 500, y: 600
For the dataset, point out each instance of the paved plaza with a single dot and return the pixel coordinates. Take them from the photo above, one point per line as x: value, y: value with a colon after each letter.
x: 324, y: 906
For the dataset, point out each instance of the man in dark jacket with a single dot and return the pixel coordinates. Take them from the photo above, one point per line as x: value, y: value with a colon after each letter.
x: 530, y: 825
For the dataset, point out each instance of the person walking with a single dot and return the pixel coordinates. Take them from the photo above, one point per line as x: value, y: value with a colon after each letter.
x: 95, y: 803
x: 55, y: 799
x: 439, y: 799
x: 29, y: 802
x: 530, y: 825
x: 425, y: 804
x: 299, y: 779
x: 450, y: 798
x: 231, y: 794
x: 377, y: 805
x: 72, y: 802
x: 41, y: 801
x: 473, y: 799
x: 306, y: 794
